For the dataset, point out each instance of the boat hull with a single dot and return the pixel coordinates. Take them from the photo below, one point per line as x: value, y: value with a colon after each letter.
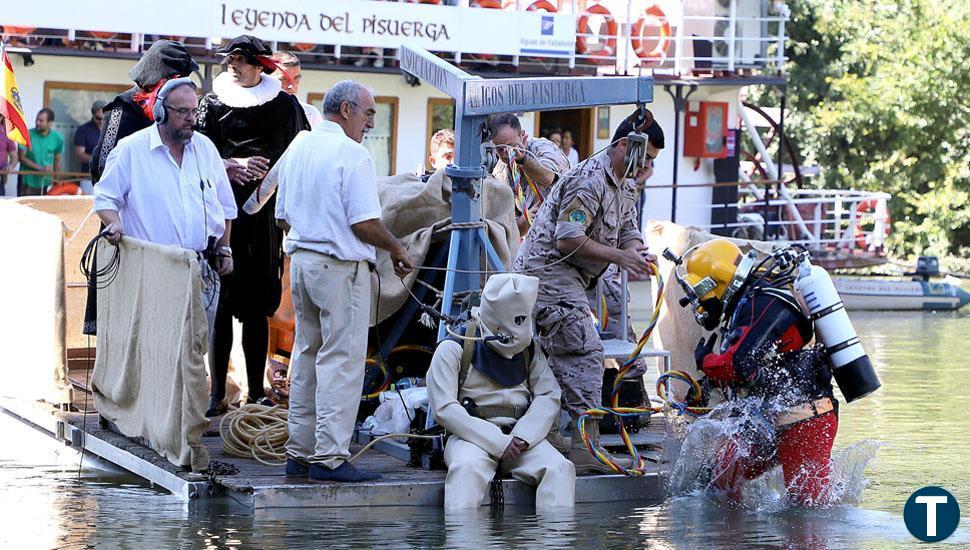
x: 889, y: 294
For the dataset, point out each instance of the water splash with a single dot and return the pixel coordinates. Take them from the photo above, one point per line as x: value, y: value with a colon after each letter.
x: 701, y: 454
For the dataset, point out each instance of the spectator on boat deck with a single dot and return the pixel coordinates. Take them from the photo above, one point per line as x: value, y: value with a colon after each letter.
x: 44, y: 155
x: 166, y: 184
x: 555, y: 136
x: 86, y: 139
x: 442, y: 150
x: 327, y: 198
x: 572, y: 155
x: 530, y: 165
x: 290, y: 73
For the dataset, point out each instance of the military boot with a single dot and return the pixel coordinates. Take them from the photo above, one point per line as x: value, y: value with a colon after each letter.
x: 586, y: 464
x: 555, y: 438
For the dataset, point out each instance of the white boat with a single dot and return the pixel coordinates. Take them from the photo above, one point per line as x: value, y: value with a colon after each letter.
x: 894, y: 294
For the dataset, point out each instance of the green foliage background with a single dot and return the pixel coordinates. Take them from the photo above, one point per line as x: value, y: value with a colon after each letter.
x: 879, y: 96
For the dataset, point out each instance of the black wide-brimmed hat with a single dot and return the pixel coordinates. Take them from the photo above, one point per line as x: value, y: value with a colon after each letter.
x: 245, y: 44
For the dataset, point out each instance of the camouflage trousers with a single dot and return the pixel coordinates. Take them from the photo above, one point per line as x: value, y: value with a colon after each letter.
x: 571, y: 342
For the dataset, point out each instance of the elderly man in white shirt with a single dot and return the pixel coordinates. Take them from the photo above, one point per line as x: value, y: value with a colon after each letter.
x: 328, y: 199
x: 167, y: 185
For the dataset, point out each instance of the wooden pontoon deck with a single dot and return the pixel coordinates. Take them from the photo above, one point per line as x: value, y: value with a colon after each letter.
x: 259, y: 486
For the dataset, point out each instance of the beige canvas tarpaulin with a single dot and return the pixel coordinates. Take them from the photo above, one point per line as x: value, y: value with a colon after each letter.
x: 149, y: 374
x: 32, y: 324
x: 80, y: 225
x: 677, y: 331
x: 419, y: 213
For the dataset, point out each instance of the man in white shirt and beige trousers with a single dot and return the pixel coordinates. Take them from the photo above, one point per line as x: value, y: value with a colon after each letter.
x: 327, y: 200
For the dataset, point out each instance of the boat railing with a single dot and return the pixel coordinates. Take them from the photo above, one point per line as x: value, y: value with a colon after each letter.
x: 847, y: 221
x: 723, y: 37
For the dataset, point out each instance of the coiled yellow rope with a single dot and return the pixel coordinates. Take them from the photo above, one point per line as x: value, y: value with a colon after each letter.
x: 255, y: 431
x: 259, y: 432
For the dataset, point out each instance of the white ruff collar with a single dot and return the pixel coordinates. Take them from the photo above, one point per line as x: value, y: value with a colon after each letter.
x: 235, y: 95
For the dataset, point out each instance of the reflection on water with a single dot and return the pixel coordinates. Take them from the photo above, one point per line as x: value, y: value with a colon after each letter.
x: 919, y: 418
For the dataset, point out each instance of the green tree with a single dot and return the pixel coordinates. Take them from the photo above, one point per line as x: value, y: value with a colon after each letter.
x: 880, y: 99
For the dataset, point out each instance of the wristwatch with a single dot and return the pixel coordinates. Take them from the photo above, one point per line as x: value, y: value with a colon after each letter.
x: 226, y: 249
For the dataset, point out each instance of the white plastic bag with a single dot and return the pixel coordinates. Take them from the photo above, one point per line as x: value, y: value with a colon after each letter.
x: 395, y: 412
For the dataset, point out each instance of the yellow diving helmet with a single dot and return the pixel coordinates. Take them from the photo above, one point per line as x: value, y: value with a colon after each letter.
x: 711, y: 274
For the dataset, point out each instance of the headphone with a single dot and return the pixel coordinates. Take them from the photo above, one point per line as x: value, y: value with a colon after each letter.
x: 636, y: 149
x: 158, y: 109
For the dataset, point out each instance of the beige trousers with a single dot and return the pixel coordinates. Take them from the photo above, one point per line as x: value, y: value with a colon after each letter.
x: 470, y: 469
x: 331, y: 299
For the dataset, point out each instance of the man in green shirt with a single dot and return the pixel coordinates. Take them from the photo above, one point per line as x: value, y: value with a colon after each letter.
x: 44, y: 155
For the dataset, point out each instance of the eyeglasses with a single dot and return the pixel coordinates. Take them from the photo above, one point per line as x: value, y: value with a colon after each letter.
x: 184, y: 111
x: 370, y: 114
x: 98, y: 118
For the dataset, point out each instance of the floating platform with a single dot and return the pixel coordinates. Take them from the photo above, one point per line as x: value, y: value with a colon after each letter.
x: 255, y: 485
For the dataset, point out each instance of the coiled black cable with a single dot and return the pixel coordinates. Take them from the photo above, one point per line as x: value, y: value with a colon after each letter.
x: 102, y: 276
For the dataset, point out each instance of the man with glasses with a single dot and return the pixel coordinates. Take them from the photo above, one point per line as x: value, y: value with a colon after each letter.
x: 167, y: 184
x: 86, y: 139
x: 327, y: 197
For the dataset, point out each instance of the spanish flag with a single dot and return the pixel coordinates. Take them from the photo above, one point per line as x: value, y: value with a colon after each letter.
x: 10, y: 106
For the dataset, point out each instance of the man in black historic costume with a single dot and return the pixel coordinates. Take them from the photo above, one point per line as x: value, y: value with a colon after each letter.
x: 251, y: 120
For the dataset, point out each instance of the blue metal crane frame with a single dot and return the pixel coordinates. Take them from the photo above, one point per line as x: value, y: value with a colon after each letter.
x: 475, y: 99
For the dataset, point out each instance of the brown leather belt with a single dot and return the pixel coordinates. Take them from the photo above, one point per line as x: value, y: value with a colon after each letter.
x: 804, y: 412
x: 501, y: 411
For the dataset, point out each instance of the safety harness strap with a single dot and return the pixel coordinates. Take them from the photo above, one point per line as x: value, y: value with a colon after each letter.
x: 467, y: 351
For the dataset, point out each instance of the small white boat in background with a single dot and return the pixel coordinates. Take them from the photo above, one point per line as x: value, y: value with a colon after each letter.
x: 917, y: 293
x: 874, y: 294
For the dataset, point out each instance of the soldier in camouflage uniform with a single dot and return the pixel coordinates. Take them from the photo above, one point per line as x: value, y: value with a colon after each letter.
x: 587, y: 222
x: 538, y: 163
x: 612, y: 286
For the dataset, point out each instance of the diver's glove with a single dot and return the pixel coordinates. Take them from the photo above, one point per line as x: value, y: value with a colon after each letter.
x: 703, y: 349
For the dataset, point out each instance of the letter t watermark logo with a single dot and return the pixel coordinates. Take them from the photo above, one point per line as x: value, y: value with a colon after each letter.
x: 931, y: 503
x: 931, y: 514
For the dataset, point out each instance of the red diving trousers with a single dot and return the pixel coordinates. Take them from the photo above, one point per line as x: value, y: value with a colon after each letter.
x: 802, y: 449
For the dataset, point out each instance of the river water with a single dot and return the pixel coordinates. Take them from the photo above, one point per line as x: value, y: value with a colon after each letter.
x: 918, y: 422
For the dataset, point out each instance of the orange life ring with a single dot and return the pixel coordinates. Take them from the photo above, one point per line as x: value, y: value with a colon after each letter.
x: 303, y: 46
x: 64, y: 188
x: 18, y: 31
x: 104, y: 35
x: 864, y: 208
x: 544, y: 5
x: 636, y: 35
x: 607, y: 48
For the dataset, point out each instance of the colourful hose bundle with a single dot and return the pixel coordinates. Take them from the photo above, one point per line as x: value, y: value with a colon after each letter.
x: 637, y: 467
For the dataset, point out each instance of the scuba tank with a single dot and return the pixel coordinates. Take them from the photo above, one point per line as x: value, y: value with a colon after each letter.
x: 821, y: 302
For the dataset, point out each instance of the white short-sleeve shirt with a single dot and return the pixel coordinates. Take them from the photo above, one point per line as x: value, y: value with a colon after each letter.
x: 327, y: 184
